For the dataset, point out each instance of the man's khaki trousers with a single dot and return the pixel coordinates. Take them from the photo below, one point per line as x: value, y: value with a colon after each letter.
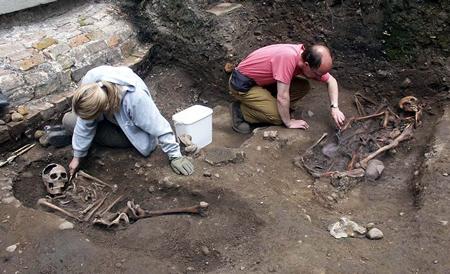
x: 259, y: 104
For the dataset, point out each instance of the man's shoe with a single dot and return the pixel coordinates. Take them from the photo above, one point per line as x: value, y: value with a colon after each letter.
x: 238, y: 123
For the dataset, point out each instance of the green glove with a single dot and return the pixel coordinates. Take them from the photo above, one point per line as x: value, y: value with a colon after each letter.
x: 182, y: 165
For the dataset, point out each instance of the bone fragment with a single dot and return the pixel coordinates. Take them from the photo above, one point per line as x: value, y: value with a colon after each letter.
x: 108, y: 208
x: 354, y: 119
x: 90, y: 177
x: 141, y: 214
x: 44, y: 202
x: 318, y: 141
x: 89, y: 215
x: 406, y: 134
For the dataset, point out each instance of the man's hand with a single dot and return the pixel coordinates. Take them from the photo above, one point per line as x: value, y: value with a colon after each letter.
x: 298, y: 124
x: 74, y: 165
x: 182, y: 165
x: 338, y: 117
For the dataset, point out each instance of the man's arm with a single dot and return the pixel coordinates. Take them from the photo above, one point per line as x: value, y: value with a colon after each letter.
x: 283, y: 103
x: 333, y: 93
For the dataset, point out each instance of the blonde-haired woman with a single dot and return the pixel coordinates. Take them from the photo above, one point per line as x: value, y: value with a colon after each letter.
x: 113, y: 106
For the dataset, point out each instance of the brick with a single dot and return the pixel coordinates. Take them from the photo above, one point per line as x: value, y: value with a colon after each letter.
x: 79, y: 55
x: 127, y: 47
x: 45, y: 43
x: 4, y: 134
x: 78, y: 40
x: 29, y: 63
x: 10, y: 81
x: 114, y: 40
x: 56, y: 50
x: 33, y: 118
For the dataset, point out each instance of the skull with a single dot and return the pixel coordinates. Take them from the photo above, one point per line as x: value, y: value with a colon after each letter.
x: 409, y: 104
x: 55, y: 178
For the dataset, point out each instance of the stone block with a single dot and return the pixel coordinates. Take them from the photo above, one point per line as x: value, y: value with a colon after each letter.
x: 95, y: 35
x: 220, y: 156
x: 65, y: 61
x: 21, y: 55
x: 96, y: 46
x: 48, y: 87
x: 60, y: 102
x: 56, y: 50
x: 78, y: 40
x: 10, y: 81
x: 33, y: 118
x: 16, y: 129
x: 45, y: 43
x: 36, y: 78
x: 4, y: 134
x: 114, y: 40
x: 66, y: 77
x: 114, y: 56
x: 46, y: 109
x: 31, y: 62
x: 9, y: 48
x: 127, y: 47
x: 79, y: 55
x: 20, y: 95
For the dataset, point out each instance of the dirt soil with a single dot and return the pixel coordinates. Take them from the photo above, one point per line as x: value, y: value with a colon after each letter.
x: 266, y: 214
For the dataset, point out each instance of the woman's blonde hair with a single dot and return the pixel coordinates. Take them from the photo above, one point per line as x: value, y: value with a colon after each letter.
x: 90, y: 100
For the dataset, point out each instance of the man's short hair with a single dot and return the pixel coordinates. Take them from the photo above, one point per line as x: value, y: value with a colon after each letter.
x: 312, y: 56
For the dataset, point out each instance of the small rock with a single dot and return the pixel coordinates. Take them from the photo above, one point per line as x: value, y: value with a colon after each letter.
x: 207, y: 174
x: 2, y: 122
x: 445, y: 174
x: 22, y: 110
x: 401, y: 213
x: 435, y: 261
x: 66, y: 225
x: 217, y: 175
x: 12, y: 248
x: 406, y: 83
x: 444, y: 223
x: 270, y: 135
x: 205, y: 250
x: 370, y: 225
x: 190, y: 268
x: 374, y: 169
x: 151, y: 189
x: 228, y: 67
x: 118, y: 265
x: 16, y: 117
x: 137, y: 165
x: 310, y: 113
x: 258, y: 148
x: 375, y: 234
x: 416, y: 173
x: 38, y: 134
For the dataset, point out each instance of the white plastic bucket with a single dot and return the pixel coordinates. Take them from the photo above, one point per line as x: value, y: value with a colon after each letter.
x: 195, y: 121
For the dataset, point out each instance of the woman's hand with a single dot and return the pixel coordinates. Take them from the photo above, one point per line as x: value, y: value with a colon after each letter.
x: 74, y: 165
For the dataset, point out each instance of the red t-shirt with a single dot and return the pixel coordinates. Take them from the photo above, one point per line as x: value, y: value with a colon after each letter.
x: 274, y: 63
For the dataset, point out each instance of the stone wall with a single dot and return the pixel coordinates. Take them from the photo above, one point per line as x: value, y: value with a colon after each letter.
x: 41, y: 62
